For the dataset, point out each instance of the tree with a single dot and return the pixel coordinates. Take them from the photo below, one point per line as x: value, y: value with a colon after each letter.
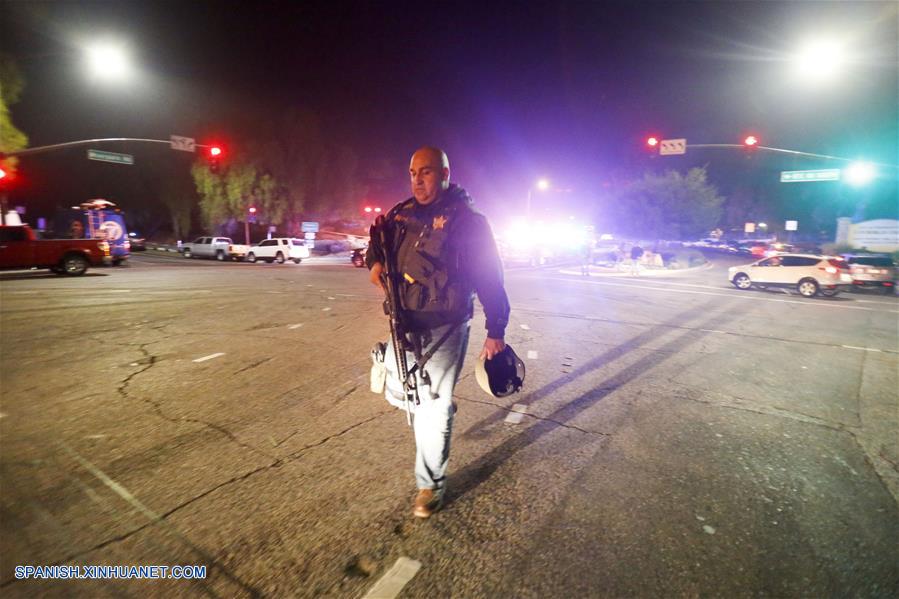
x: 11, y: 86
x: 668, y: 206
x: 227, y: 196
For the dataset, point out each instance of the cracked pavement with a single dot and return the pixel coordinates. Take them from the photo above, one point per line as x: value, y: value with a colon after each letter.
x: 708, y: 443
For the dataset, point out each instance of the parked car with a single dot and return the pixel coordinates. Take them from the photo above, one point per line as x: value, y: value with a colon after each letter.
x: 872, y: 270
x: 138, y: 244
x: 20, y: 248
x: 278, y: 249
x: 809, y: 274
x: 220, y: 248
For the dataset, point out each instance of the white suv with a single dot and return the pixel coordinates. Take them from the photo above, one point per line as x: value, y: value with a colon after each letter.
x: 278, y: 250
x: 809, y: 274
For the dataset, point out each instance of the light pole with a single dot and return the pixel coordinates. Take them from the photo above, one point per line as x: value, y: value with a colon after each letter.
x: 542, y: 185
x: 251, y: 214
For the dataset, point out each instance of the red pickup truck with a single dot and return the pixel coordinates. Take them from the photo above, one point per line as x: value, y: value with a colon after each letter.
x: 20, y: 248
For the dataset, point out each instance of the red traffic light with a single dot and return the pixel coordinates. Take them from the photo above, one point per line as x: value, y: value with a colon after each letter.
x: 378, y: 209
x: 368, y: 209
x: 252, y: 209
x: 751, y: 141
x: 2, y: 173
x: 652, y: 142
x: 215, y: 151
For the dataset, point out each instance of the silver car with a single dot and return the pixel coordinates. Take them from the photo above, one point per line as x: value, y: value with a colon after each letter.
x: 872, y: 270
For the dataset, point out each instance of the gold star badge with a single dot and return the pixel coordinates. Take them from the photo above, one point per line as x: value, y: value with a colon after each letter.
x: 439, y: 221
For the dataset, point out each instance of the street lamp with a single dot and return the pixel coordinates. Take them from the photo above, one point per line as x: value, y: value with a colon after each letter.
x: 109, y: 61
x: 542, y: 184
x: 820, y: 60
x: 860, y: 173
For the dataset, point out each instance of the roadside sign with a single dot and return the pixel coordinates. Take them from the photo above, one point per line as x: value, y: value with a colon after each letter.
x: 113, y: 157
x: 826, y: 174
x: 309, y: 235
x: 185, y: 144
x: 749, y: 228
x: 310, y: 227
x: 669, y: 147
x: 792, y: 225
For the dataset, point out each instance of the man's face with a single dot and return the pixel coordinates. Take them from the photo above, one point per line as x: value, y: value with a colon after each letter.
x: 428, y: 176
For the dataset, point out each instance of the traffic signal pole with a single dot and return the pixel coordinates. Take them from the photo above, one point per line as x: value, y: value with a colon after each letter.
x: 84, y: 142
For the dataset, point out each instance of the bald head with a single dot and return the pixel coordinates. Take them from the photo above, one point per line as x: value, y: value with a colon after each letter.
x: 429, y: 173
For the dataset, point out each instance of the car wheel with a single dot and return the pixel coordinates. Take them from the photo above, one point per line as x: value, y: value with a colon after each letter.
x: 741, y: 281
x: 220, y: 256
x: 297, y: 260
x: 187, y: 254
x: 279, y: 258
x: 251, y: 257
x: 829, y: 292
x: 807, y: 288
x: 74, y: 265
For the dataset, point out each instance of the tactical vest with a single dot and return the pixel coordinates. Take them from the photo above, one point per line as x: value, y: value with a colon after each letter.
x: 429, y: 258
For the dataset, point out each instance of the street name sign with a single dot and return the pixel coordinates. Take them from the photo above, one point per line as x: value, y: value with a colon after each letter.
x: 669, y: 147
x: 113, y: 157
x: 185, y: 144
x: 826, y: 174
x: 309, y: 227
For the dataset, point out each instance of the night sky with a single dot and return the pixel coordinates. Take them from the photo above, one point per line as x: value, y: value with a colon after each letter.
x: 513, y: 91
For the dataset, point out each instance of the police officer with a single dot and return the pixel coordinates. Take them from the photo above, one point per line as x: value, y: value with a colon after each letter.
x: 445, y: 253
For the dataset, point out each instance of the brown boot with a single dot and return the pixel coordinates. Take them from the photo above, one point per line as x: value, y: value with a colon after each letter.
x: 427, y: 502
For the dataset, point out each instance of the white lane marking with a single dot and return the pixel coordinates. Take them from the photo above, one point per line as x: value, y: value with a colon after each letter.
x: 326, y: 309
x: 517, y: 413
x: 393, y: 581
x: 95, y: 437
x: 113, y: 485
x: 736, y: 295
x: 712, y: 331
x: 525, y: 327
x: 532, y: 355
x: 209, y: 357
x: 295, y: 326
x: 2, y: 415
x: 345, y: 295
x: 278, y: 292
x: 119, y: 291
x: 331, y: 297
x: 861, y: 348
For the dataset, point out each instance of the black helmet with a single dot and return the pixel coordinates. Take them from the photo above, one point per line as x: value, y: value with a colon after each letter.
x: 502, y: 375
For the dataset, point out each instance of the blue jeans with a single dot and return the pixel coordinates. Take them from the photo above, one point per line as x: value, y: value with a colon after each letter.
x: 433, y: 416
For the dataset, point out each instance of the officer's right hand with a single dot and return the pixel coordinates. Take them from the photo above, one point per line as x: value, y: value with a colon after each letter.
x: 375, y: 275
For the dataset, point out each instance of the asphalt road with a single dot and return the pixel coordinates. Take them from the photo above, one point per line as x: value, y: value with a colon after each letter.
x: 679, y: 438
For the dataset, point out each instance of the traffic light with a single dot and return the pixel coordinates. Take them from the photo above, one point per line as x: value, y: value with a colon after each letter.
x: 252, y: 215
x: 750, y: 142
x: 2, y: 175
x: 652, y: 142
x: 215, y: 152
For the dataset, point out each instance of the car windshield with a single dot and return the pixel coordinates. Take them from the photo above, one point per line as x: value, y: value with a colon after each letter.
x: 298, y: 241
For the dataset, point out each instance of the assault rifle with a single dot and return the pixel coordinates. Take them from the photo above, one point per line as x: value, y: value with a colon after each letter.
x: 391, y: 277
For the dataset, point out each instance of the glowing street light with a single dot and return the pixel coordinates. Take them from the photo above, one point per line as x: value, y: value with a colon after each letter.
x: 109, y: 61
x: 542, y: 184
x: 820, y: 60
x: 860, y: 173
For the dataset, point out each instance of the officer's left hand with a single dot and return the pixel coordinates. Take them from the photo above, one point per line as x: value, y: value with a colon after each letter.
x: 491, y: 348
